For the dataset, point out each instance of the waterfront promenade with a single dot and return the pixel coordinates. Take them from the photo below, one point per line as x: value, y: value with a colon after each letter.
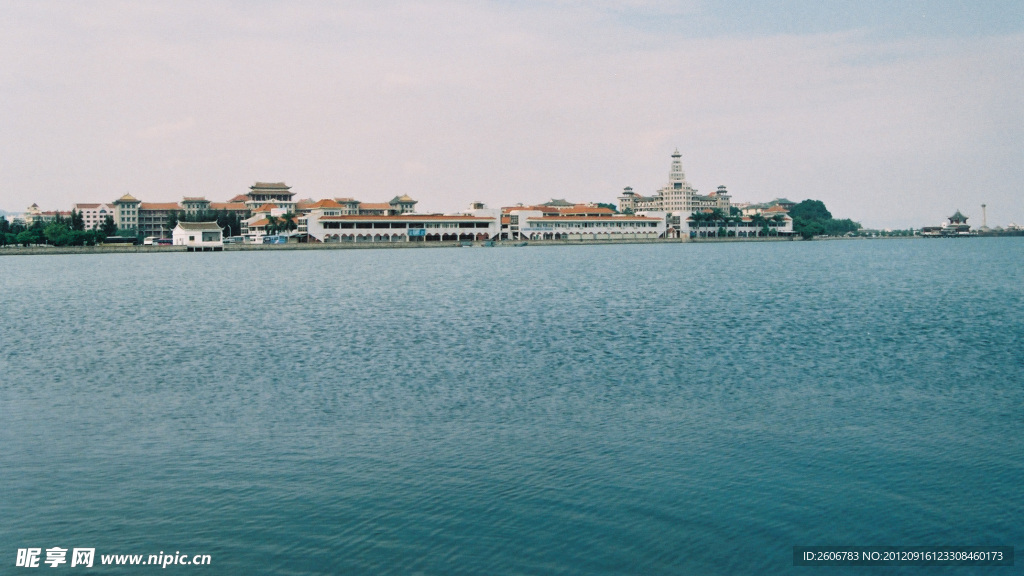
x: 40, y: 250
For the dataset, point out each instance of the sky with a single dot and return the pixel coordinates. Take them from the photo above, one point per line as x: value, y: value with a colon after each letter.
x: 892, y: 114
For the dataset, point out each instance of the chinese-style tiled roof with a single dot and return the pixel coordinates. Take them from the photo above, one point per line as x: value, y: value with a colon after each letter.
x: 266, y: 208
x: 403, y: 199
x: 957, y: 218
x: 199, y: 226
x: 194, y: 199
x: 275, y: 186
x: 240, y: 198
x: 378, y: 206
x: 776, y: 209
x: 126, y: 198
x: 557, y: 203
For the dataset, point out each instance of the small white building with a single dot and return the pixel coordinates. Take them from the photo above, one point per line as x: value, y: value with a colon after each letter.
x: 198, y: 236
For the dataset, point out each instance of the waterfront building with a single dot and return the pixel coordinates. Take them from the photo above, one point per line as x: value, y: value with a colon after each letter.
x: 154, y: 218
x: 126, y: 212
x: 255, y: 227
x: 530, y: 224
x: 93, y: 215
x: 677, y: 197
x: 956, y: 226
x: 237, y: 208
x: 192, y: 205
x: 33, y: 214
x: 321, y: 227
x: 704, y: 224
x: 198, y: 235
x: 262, y: 193
x: 773, y: 207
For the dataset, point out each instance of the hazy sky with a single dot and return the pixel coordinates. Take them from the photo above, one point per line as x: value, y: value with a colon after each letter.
x: 893, y: 114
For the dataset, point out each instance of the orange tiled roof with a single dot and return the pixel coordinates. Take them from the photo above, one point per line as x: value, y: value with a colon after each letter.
x: 240, y: 198
x: 266, y: 208
x: 584, y: 209
x: 227, y: 206
x: 325, y: 203
x: 159, y: 206
x: 379, y: 206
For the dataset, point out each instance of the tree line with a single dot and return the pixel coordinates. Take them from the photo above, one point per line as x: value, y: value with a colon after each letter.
x: 811, y: 218
x: 60, y: 231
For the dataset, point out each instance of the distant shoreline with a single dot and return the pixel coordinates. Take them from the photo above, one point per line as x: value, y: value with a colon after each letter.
x: 46, y: 250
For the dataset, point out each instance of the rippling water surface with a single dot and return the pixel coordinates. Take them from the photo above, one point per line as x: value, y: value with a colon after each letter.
x: 650, y: 409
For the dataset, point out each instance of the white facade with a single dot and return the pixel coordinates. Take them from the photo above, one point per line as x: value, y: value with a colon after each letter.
x: 198, y: 235
x: 745, y: 227
x: 400, y: 228
x: 93, y: 215
x: 534, y: 225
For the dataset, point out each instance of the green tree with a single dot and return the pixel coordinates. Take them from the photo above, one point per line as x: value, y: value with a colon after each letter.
x: 109, y: 228
x: 58, y: 234
x: 272, y: 224
x: 77, y: 222
x: 288, y: 222
x: 811, y: 210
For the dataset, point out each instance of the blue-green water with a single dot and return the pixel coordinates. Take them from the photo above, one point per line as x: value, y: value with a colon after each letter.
x: 648, y: 409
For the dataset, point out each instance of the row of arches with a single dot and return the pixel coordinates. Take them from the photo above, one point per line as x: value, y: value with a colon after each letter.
x: 598, y: 236
x: 361, y: 238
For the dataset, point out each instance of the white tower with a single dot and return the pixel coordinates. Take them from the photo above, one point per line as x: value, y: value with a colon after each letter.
x: 677, y: 176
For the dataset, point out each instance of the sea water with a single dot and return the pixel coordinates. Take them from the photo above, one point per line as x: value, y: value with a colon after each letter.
x: 619, y: 409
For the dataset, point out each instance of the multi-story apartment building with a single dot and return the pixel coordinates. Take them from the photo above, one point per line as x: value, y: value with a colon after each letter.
x: 93, y: 215
x: 154, y: 218
x: 126, y: 212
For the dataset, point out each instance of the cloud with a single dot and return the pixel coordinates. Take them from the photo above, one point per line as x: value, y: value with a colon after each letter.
x: 500, y: 102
